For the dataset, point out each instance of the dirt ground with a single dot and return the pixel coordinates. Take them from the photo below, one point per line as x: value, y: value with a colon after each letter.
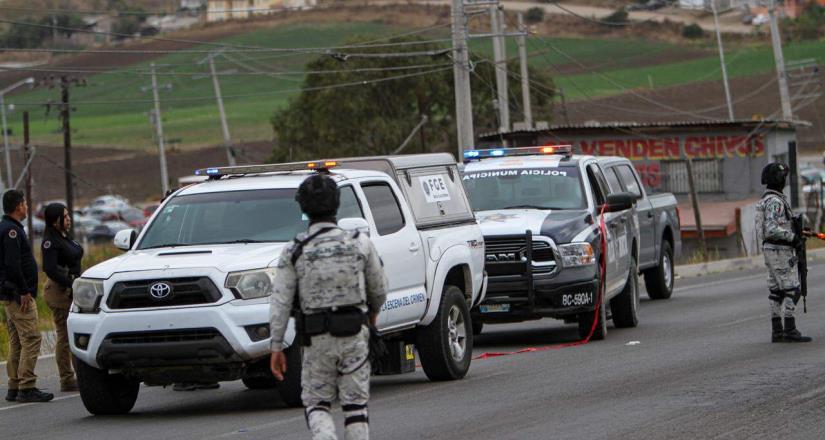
x: 701, y: 100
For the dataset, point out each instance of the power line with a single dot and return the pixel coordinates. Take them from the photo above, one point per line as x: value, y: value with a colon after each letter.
x: 250, y: 95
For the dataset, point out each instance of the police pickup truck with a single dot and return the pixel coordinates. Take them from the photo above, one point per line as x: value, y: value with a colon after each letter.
x: 188, y: 300
x: 540, y: 209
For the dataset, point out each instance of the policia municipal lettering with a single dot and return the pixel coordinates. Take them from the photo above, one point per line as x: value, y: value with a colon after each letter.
x: 774, y: 227
x: 340, y: 286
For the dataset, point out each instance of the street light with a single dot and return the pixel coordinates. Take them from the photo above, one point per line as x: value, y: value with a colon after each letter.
x: 26, y: 82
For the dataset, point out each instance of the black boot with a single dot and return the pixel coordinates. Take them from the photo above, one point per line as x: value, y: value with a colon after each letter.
x: 792, y: 334
x: 33, y: 395
x: 778, y: 335
x: 11, y: 396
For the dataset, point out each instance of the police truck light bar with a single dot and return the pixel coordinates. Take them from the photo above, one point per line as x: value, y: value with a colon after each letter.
x: 564, y: 150
x: 218, y: 172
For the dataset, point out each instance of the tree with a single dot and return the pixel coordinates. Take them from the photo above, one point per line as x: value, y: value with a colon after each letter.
x: 534, y: 15
x: 381, y: 107
x: 693, y: 31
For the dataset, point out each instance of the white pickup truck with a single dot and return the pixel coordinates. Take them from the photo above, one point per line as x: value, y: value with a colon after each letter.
x: 188, y: 300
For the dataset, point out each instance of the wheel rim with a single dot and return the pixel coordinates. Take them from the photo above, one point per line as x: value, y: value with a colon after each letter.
x: 457, y: 333
x: 667, y: 268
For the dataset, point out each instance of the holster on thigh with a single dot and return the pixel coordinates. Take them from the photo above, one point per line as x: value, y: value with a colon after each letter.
x: 777, y: 296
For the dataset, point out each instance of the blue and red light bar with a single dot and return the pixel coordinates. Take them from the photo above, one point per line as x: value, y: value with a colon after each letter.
x: 563, y: 150
x: 218, y: 172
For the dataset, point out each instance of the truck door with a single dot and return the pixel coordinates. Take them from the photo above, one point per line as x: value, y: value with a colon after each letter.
x: 644, y: 213
x: 399, y: 244
x: 616, y: 223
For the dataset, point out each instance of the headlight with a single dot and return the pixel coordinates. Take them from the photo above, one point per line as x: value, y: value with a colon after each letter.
x: 577, y: 254
x: 87, y: 293
x: 252, y: 283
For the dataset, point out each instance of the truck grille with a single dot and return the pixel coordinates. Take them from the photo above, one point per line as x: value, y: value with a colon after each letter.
x: 188, y: 335
x: 504, y: 255
x: 180, y: 292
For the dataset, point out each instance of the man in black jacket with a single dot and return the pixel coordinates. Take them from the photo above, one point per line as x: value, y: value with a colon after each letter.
x: 18, y: 289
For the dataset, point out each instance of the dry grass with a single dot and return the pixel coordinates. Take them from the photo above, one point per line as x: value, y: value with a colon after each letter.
x: 94, y: 255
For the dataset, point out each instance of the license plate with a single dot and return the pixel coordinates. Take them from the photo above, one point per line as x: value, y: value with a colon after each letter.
x: 495, y: 308
x: 577, y: 299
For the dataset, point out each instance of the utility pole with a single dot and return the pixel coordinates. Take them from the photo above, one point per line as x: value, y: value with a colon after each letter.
x: 164, y: 172
x: 65, y: 113
x: 6, y: 150
x: 227, y: 141
x: 461, y: 75
x: 564, y: 106
x: 28, y: 171
x: 781, y: 76
x: 694, y: 201
x: 500, y: 57
x: 722, y: 58
x: 525, y: 74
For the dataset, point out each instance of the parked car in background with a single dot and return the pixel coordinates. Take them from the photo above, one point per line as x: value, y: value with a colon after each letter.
x: 110, y: 201
x: 37, y: 224
x: 134, y: 217
x: 106, y: 231
x: 83, y: 224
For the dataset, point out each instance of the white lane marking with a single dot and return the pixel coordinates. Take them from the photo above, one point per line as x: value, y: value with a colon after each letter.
x: 23, y: 405
x: 45, y: 356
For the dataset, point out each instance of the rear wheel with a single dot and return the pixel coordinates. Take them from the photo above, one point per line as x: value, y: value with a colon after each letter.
x: 103, y: 393
x: 446, y: 345
x: 260, y: 382
x: 659, y: 279
x: 625, y: 306
x: 290, y: 387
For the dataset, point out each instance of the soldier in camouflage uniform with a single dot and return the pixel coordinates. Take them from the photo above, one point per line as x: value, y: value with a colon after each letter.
x: 329, y: 269
x: 774, y: 229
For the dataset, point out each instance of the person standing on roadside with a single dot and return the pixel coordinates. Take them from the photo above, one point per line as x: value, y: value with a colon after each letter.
x: 779, y: 241
x: 61, y: 263
x: 18, y: 290
x: 337, y: 280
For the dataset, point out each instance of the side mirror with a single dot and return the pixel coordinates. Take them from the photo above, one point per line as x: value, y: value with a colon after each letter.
x: 125, y: 239
x: 354, y: 224
x: 620, y: 201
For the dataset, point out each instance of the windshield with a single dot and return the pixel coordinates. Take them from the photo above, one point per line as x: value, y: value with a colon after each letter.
x: 226, y: 217
x: 540, y: 188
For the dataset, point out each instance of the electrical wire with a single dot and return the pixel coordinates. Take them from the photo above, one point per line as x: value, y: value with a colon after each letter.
x: 250, y: 95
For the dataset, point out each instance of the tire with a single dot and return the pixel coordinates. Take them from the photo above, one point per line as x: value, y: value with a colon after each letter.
x: 260, y: 383
x: 659, y: 280
x: 477, y: 328
x: 105, y: 394
x: 586, y: 322
x: 625, y: 306
x: 290, y: 387
x: 446, y: 345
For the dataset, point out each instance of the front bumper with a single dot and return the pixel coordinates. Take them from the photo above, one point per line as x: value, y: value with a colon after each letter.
x: 532, y: 296
x: 204, y: 335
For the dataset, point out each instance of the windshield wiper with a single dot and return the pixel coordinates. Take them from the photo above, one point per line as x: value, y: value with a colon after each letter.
x: 243, y: 241
x: 167, y: 245
x: 529, y: 207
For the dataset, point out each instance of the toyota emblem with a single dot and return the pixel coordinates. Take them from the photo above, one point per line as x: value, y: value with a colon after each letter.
x: 160, y: 290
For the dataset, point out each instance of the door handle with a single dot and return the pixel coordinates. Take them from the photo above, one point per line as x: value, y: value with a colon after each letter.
x: 414, y: 247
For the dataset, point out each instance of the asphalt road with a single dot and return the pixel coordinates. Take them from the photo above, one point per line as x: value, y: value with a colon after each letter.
x: 699, y: 366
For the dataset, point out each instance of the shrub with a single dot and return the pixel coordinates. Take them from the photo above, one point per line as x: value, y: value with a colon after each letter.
x: 693, y: 31
x: 534, y: 15
x: 617, y: 17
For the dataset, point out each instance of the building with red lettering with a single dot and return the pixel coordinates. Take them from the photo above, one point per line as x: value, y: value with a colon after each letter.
x: 727, y: 159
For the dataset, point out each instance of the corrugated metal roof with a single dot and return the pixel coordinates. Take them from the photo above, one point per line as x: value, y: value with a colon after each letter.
x: 619, y: 124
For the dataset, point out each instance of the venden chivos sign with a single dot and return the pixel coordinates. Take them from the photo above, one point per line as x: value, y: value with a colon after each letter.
x: 647, y: 152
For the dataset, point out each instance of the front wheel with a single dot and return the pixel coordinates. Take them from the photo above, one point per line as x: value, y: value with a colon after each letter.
x: 103, y: 393
x: 446, y: 345
x: 659, y: 279
x: 586, y: 323
x: 290, y: 388
x: 625, y: 306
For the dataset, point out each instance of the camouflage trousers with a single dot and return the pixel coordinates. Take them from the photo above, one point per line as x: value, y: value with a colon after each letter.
x: 337, y: 367
x: 783, y: 280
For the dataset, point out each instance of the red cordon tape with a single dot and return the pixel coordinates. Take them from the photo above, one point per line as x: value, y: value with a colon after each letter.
x: 602, y: 270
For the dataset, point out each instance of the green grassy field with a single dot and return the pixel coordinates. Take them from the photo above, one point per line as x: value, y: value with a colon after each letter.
x: 190, y: 114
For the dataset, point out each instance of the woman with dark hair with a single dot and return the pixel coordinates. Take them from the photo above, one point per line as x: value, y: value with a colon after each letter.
x: 61, y: 263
